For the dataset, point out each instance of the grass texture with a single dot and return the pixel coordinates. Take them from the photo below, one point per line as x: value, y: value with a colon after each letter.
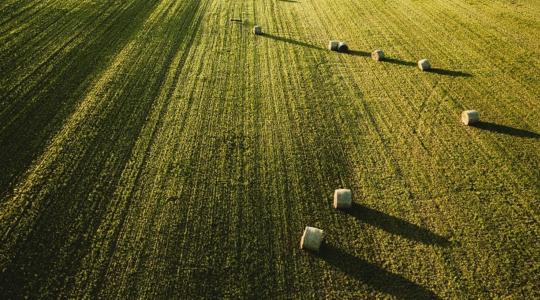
x: 160, y: 149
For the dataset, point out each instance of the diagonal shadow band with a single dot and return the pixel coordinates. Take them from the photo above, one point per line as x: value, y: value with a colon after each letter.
x: 396, y: 226
x: 433, y: 70
x: 367, y: 54
x: 506, y: 130
x: 410, y: 64
x: 359, y: 53
x: 290, y: 41
x: 399, y: 62
x: 449, y: 72
x: 374, y: 276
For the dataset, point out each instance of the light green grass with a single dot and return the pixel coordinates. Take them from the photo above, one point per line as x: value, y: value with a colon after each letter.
x: 157, y: 149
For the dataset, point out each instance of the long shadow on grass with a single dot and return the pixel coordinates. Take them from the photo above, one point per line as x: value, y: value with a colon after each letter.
x: 396, y: 225
x: 433, y: 70
x: 386, y: 59
x: 507, y: 130
x: 30, y: 125
x: 399, y: 62
x: 290, y: 41
x: 411, y: 64
x: 374, y: 276
x: 449, y: 72
x: 35, y: 258
x: 358, y: 53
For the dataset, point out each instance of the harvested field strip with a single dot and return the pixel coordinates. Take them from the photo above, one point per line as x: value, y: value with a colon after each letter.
x: 40, y: 108
x: 159, y: 148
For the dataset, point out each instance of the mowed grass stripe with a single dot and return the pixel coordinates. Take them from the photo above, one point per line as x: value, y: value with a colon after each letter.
x: 388, y: 101
x: 34, y: 70
x: 126, y: 206
x: 10, y: 10
x: 313, y: 180
x: 389, y: 287
x: 48, y: 160
x: 383, y: 131
x: 287, y: 146
x: 23, y: 16
x: 20, y: 52
x: 53, y: 211
x: 203, y: 112
x: 46, y: 105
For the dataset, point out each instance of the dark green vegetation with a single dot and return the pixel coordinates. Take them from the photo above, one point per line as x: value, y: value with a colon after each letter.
x: 159, y: 149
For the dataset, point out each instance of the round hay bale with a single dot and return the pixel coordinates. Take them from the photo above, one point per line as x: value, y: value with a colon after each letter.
x: 342, y: 47
x: 257, y: 30
x: 312, y: 239
x: 377, y: 55
x: 342, y: 198
x: 424, y: 64
x: 470, y: 117
x: 333, y: 45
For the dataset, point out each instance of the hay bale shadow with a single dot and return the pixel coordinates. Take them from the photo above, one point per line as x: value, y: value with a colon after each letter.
x: 290, y: 41
x: 396, y: 226
x: 502, y: 129
x: 449, y: 72
x: 373, y: 275
x: 399, y: 62
x: 358, y: 53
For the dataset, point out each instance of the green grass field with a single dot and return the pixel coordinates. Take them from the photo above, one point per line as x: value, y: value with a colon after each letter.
x: 159, y: 149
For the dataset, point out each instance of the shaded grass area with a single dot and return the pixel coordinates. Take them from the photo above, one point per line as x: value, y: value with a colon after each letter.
x: 396, y: 225
x: 28, y: 264
x: 205, y: 150
x: 506, y: 130
x: 449, y: 72
x: 402, y: 62
x: 291, y: 41
x: 30, y: 124
x: 372, y: 275
x: 109, y: 149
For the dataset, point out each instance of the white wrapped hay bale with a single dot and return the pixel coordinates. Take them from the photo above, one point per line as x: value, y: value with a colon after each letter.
x: 470, y: 117
x: 312, y: 239
x: 377, y: 55
x: 424, y: 64
x: 342, y: 198
x: 257, y: 30
x: 342, y: 47
x: 333, y: 45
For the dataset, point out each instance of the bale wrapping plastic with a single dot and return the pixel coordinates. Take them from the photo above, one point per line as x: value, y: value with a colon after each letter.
x: 257, y: 30
x: 333, y: 45
x: 424, y: 64
x: 342, y: 198
x: 377, y: 55
x: 470, y: 117
x: 342, y: 47
x: 312, y: 239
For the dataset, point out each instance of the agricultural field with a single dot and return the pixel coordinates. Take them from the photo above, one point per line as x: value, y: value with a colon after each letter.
x: 160, y: 149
